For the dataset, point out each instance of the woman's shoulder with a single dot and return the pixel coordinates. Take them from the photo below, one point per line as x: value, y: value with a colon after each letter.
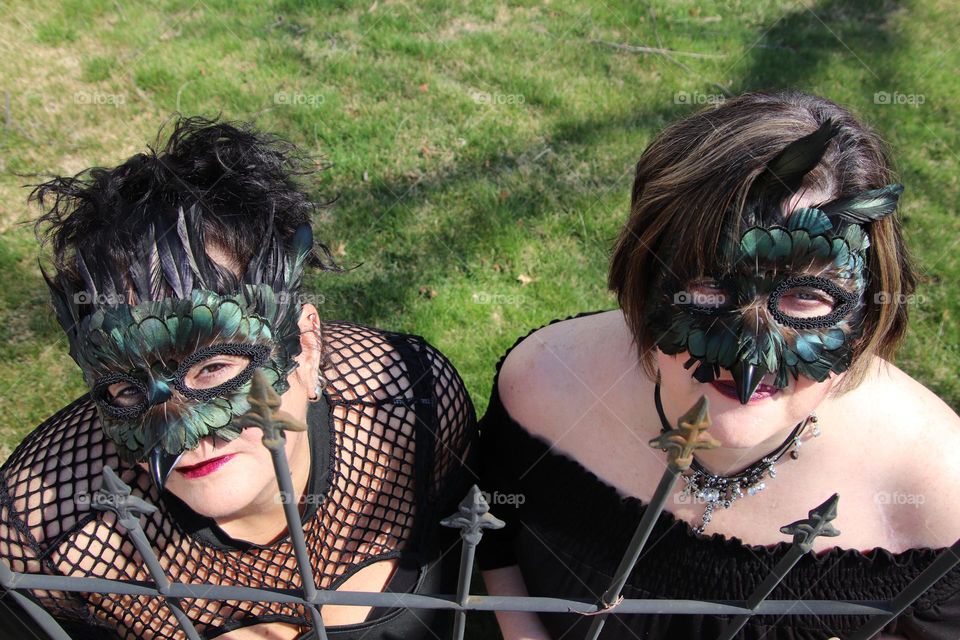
x: 914, y: 437
x: 900, y: 407
x: 567, y: 364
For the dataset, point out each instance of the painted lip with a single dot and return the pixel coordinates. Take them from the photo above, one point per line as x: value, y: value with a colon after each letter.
x: 729, y: 389
x: 206, y: 467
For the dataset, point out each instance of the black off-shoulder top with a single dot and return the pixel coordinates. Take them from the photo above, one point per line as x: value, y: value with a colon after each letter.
x: 570, y: 529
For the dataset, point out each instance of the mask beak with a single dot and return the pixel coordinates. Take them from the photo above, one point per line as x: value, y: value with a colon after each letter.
x: 747, y: 377
x: 162, y: 465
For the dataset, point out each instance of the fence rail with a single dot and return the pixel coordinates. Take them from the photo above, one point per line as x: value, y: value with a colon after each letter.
x: 472, y: 518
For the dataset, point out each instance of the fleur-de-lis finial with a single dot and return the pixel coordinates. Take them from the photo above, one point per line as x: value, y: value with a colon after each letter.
x: 472, y: 516
x: 115, y: 495
x: 264, y: 402
x: 804, y: 532
x: 691, y: 435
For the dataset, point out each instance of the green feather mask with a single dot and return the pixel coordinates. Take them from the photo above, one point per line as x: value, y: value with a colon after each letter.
x: 794, y: 301
x: 176, y: 366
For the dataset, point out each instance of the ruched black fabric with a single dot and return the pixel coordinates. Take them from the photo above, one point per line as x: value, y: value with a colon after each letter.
x: 572, y: 528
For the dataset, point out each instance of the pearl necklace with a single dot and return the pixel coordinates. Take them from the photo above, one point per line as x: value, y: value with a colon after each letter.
x: 723, y: 491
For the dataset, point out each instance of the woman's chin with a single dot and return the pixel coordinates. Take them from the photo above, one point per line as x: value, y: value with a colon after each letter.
x: 215, y: 498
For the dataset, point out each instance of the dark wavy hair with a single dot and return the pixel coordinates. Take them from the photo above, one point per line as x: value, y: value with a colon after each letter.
x: 241, y: 180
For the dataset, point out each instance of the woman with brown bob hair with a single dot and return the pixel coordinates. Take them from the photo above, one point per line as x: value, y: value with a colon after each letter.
x: 763, y: 268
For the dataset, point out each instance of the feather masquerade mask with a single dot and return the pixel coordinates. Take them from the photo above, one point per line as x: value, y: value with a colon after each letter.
x: 794, y: 301
x: 168, y: 371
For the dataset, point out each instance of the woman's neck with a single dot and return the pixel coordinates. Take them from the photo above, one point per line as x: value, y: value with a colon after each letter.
x: 726, y: 461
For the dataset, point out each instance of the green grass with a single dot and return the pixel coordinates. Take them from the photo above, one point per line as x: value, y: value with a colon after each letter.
x: 471, y: 148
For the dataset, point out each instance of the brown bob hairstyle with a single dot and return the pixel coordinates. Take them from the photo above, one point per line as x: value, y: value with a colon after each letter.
x: 690, y: 193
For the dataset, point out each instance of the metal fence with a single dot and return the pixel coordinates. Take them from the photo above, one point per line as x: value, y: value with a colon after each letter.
x: 472, y: 517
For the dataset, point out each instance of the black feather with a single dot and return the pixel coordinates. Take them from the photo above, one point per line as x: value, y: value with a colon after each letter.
x: 865, y: 207
x: 784, y: 173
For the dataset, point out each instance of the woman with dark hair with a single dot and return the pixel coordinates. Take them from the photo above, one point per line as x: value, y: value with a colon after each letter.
x: 177, y: 277
x: 761, y: 267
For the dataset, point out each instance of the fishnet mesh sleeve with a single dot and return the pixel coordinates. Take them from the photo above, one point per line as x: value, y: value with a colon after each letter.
x: 39, y: 499
x: 454, y: 451
x: 400, y: 432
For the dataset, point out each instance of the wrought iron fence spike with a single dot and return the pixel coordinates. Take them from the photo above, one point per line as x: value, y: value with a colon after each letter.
x: 116, y: 496
x: 690, y: 435
x: 264, y: 413
x: 680, y: 443
x: 804, y: 533
x: 472, y: 517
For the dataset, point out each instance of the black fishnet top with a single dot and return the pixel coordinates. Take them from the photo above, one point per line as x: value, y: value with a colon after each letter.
x: 388, y: 455
x: 571, y: 529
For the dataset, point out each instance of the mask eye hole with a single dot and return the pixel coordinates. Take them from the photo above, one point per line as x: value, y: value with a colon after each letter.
x: 805, y: 302
x: 124, y: 394
x: 809, y: 302
x: 705, y: 294
x: 215, y: 370
x: 219, y: 369
x: 121, y: 395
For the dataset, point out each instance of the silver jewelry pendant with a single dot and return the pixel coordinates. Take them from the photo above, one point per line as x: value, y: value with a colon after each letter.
x: 722, y: 491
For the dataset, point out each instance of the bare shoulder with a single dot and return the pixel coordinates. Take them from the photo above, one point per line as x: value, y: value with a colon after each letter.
x: 901, y: 404
x: 917, y: 437
x: 556, y: 373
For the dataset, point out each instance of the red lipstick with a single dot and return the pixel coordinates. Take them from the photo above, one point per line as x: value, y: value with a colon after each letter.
x: 206, y: 467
